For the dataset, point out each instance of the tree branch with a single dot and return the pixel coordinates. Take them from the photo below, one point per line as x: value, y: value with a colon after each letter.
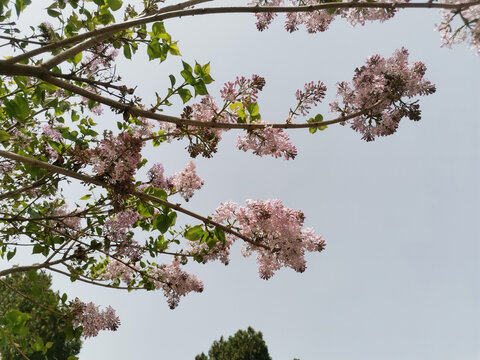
x: 121, y: 88
x: 15, y: 345
x: 39, y: 182
x: 98, y: 32
x: 138, y: 194
x: 29, y: 298
x: 16, y: 269
x: 92, y: 282
x: 122, y: 107
x: 174, y: 11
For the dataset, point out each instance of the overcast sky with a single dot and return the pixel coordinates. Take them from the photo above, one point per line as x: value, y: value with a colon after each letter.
x: 399, y: 278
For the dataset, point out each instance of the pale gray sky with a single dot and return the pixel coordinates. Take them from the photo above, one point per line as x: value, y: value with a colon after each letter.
x: 399, y: 279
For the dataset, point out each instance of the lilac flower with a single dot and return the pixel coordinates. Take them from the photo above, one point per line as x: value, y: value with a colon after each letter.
x: 116, y: 269
x: 268, y: 141
x: 311, y: 95
x: 175, y: 282
x: 279, y: 240
x: 381, y: 89
x: 186, y: 181
x: 92, y: 319
x: 116, y: 228
x: 117, y: 157
x: 157, y: 178
x: 468, y: 27
x: 51, y: 133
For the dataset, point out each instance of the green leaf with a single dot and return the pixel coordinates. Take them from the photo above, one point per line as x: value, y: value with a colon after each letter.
x: 18, y: 108
x: 318, y: 119
x: 114, y: 4
x: 4, y: 136
x: 173, y: 49
x: 158, y: 28
x: 200, y: 88
x: 53, y: 13
x: 51, y: 101
x: 188, y: 76
x: 21, y: 81
x: 185, y: 94
x: 145, y: 210
x: 154, y: 51
x: 38, y: 344
x: 197, y: 69
x: 16, y: 317
x: 172, y: 80
x: 37, y: 249
x: 77, y: 58
x: 194, y: 233
x: 253, y: 109
x: 11, y: 254
x: 187, y: 67
x: 157, y: 192
x: 161, y: 222
x: 239, y: 110
x: 206, y: 69
x: 207, y: 79
x: 126, y: 51
x: 220, y: 234
x: 86, y: 197
x: 209, y: 239
x: 173, y: 217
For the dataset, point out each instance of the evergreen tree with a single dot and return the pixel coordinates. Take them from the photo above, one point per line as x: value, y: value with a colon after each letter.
x: 16, y: 293
x: 244, y: 345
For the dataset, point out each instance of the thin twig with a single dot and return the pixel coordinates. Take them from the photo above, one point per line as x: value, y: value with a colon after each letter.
x: 11, y: 287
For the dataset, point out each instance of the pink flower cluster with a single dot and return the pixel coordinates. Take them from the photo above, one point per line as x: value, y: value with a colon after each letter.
x: 265, y: 19
x: 116, y: 230
x: 381, y: 89
x: 54, y: 135
x: 6, y: 166
x: 92, y: 319
x: 360, y: 16
x: 116, y: 158
x: 276, y: 232
x: 66, y: 221
x: 314, y: 21
x: 144, y: 129
x: 101, y: 58
x: 186, y: 181
x: 206, y: 139
x: 268, y: 141
x: 221, y: 251
x: 116, y: 269
x: 157, y: 177
x: 51, y: 133
x: 311, y: 95
x: 468, y: 26
x: 318, y: 21
x: 243, y: 90
x: 175, y: 282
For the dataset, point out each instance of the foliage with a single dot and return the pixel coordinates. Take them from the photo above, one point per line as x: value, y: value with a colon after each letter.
x: 61, y: 75
x: 243, y: 345
x: 47, y: 332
